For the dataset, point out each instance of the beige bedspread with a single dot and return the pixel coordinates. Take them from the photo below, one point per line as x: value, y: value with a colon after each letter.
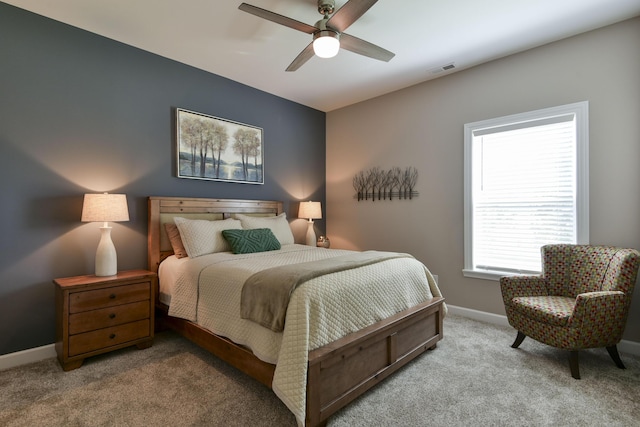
x: 266, y: 294
x: 321, y: 310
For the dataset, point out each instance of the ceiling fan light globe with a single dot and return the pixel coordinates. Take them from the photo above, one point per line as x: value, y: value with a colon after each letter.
x: 326, y: 45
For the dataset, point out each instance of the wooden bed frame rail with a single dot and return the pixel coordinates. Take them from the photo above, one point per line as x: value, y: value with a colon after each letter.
x: 223, y: 348
x: 338, y: 372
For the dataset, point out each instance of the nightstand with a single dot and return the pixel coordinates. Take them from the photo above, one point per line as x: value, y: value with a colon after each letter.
x: 95, y: 315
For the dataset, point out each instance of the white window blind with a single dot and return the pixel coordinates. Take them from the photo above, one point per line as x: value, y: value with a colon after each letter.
x: 523, y: 190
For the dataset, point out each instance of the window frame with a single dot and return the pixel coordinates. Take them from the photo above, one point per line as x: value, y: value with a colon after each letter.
x: 580, y: 110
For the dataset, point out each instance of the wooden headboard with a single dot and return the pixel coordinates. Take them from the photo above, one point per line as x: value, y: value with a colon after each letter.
x: 164, y: 209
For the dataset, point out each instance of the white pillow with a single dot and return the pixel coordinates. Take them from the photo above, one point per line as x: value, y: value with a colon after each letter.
x: 278, y: 225
x: 201, y: 237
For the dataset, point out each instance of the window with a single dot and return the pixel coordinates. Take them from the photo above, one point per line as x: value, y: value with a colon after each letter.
x: 526, y: 185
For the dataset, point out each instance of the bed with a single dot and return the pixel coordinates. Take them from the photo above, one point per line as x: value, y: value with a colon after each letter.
x: 334, y: 372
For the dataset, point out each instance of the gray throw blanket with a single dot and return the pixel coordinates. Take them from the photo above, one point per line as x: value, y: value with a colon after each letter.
x: 266, y: 294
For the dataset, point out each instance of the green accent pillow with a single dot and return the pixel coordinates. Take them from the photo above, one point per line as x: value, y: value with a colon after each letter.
x: 250, y: 241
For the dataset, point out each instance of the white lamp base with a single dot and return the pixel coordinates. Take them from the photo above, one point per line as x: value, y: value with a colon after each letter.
x: 106, y: 259
x: 311, y: 234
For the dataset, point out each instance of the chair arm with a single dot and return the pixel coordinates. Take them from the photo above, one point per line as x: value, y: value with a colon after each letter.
x: 595, y: 309
x: 522, y: 286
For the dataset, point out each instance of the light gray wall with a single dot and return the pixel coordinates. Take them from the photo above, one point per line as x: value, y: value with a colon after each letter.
x: 422, y: 126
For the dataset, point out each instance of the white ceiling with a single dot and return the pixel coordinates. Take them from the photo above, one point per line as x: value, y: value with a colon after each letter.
x: 215, y: 36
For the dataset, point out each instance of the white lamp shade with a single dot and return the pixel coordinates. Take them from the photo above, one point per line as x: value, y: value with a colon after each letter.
x: 105, y: 207
x: 310, y: 210
x: 326, y: 46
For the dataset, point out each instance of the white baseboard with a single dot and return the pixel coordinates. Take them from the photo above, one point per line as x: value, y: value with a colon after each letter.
x: 625, y: 346
x: 629, y: 347
x: 483, y: 316
x: 23, y: 357
x: 31, y: 355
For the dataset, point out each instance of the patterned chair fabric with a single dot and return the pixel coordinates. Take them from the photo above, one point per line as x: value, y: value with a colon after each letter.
x: 581, y: 299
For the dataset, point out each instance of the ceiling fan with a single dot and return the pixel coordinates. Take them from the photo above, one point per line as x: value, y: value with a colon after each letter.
x: 328, y: 33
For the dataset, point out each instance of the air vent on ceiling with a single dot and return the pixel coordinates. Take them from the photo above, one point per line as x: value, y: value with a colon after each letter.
x: 446, y: 67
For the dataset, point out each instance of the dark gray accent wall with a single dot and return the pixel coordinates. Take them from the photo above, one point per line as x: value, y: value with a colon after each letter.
x: 80, y: 113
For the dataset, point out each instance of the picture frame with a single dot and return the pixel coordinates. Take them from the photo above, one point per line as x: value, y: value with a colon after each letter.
x: 215, y: 149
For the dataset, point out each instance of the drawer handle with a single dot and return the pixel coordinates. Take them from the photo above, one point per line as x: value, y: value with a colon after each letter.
x: 112, y: 296
x: 112, y: 316
x: 112, y: 336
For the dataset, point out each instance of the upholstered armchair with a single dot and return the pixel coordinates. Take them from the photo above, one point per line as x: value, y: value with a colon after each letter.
x: 581, y: 299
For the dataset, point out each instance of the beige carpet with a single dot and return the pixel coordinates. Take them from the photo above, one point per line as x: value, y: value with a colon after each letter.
x: 472, y: 378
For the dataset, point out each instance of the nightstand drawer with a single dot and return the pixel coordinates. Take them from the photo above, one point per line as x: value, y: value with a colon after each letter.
x: 106, y: 317
x: 104, y: 338
x: 108, y: 297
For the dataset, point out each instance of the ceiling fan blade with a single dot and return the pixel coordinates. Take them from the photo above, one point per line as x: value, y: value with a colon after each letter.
x: 365, y: 48
x: 303, y: 57
x: 278, y: 19
x: 349, y: 13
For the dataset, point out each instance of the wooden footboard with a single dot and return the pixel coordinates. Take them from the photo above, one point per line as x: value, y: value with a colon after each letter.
x: 344, y: 369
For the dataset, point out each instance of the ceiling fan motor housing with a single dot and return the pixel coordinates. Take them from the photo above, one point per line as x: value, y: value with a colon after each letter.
x: 326, y: 33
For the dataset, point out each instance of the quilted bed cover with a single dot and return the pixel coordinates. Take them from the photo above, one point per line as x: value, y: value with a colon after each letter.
x: 208, y: 289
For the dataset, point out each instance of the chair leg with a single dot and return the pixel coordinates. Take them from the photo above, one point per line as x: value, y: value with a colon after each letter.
x: 518, y: 340
x: 574, y: 364
x: 613, y: 352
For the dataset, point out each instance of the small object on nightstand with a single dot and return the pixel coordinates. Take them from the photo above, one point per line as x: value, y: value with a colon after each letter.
x: 95, y: 315
x: 323, y: 242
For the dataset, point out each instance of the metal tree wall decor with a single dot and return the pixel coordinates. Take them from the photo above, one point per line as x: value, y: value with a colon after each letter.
x: 376, y: 183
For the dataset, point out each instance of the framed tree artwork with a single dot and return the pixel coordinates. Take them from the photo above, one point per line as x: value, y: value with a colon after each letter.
x: 218, y: 149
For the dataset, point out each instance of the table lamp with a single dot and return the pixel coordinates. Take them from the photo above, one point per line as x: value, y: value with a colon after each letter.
x: 310, y: 211
x: 104, y: 208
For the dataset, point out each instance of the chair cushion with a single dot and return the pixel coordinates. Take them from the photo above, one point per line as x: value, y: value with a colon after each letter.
x: 554, y: 310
